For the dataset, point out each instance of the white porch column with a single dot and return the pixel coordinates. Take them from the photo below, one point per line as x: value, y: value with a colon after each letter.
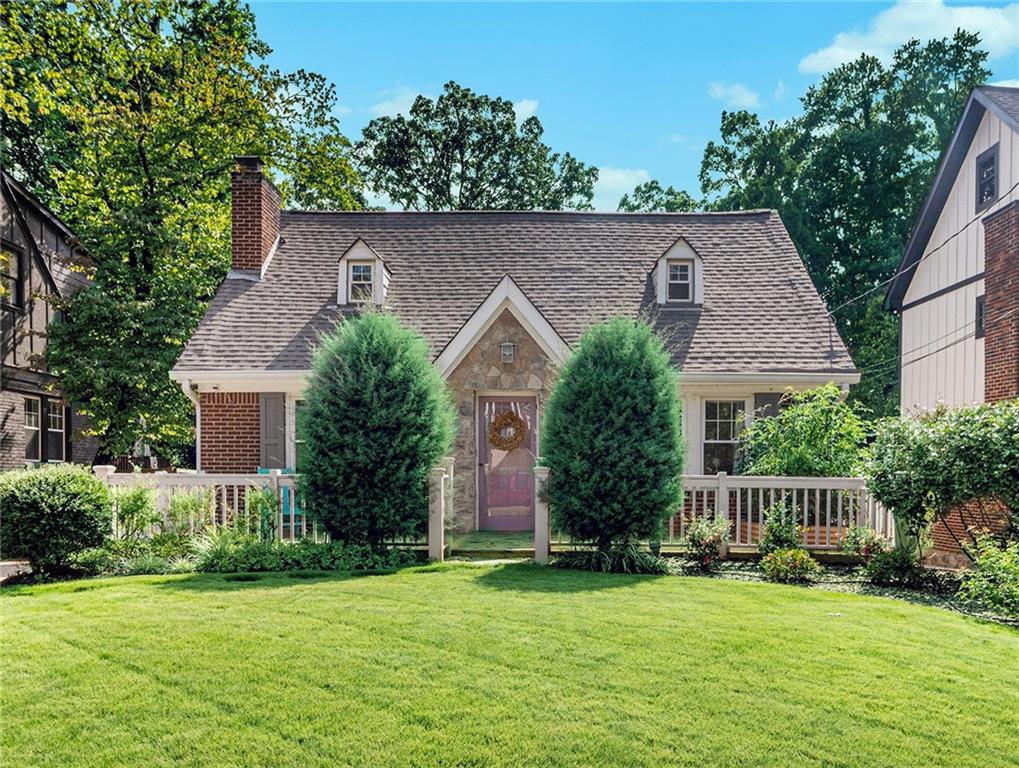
x: 436, y: 514
x: 541, y: 522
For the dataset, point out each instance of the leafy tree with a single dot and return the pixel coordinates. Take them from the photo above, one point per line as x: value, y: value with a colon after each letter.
x: 964, y: 460
x: 815, y: 434
x: 376, y: 419
x: 651, y: 196
x: 612, y: 437
x: 848, y: 178
x: 466, y: 151
x: 124, y: 119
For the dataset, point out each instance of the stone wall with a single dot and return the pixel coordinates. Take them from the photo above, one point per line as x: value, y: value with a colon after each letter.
x: 482, y: 370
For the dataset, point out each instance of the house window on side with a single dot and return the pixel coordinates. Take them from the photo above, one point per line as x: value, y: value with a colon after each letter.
x: 54, y: 430
x: 981, y: 317
x: 360, y: 283
x: 33, y: 423
x: 11, y: 277
x: 680, y: 281
x: 987, y: 178
x: 723, y: 422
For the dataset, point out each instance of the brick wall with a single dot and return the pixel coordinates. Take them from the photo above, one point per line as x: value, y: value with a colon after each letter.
x: 946, y: 534
x: 229, y: 431
x: 12, y: 430
x: 255, y: 222
x: 1001, y: 292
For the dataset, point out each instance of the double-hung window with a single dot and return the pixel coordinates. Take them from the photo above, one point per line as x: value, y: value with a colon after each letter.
x: 723, y: 422
x: 987, y: 178
x: 680, y: 280
x: 33, y: 428
x: 360, y: 283
x: 55, y: 432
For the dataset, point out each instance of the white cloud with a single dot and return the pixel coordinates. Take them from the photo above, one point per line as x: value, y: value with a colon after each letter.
x: 1014, y: 83
x: 525, y: 108
x: 780, y: 91
x: 397, y: 101
x: 342, y: 110
x: 735, y: 95
x: 613, y: 183
x: 998, y: 29
x: 678, y: 138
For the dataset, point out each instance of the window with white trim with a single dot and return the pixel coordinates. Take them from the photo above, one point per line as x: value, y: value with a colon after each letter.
x: 723, y: 422
x: 55, y: 433
x: 33, y: 423
x: 360, y: 283
x: 680, y: 280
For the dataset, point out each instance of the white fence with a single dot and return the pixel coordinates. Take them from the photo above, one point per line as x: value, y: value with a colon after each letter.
x: 825, y: 508
x: 191, y: 502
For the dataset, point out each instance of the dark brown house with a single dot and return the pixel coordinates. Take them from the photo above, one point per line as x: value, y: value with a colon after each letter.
x: 40, y: 264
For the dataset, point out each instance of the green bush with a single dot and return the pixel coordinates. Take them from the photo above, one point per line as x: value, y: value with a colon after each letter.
x: 923, y: 468
x: 612, y: 437
x: 134, y: 507
x: 223, y: 551
x: 789, y: 565
x: 780, y: 531
x: 896, y: 567
x: 994, y: 579
x: 863, y: 541
x: 815, y: 434
x: 704, y: 539
x: 627, y: 557
x: 51, y: 513
x: 376, y: 419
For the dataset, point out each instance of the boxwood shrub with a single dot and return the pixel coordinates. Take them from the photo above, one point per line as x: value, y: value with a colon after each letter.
x: 51, y: 513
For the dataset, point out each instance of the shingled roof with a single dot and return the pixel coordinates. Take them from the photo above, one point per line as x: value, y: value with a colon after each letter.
x: 761, y: 313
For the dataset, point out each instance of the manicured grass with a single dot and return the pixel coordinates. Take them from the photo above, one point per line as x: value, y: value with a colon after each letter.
x: 508, y: 665
x: 493, y: 540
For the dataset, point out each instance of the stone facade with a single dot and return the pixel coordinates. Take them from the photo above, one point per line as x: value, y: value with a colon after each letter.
x: 482, y: 371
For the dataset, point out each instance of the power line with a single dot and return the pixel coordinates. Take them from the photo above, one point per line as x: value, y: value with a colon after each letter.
x: 882, y: 284
x: 901, y: 356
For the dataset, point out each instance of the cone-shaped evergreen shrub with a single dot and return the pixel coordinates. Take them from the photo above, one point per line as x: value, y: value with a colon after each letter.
x: 612, y: 437
x: 377, y: 417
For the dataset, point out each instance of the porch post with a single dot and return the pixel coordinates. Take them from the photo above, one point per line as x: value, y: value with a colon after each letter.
x: 722, y: 509
x: 436, y: 514
x: 541, y: 522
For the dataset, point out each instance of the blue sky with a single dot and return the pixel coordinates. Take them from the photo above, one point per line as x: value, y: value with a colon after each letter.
x: 634, y: 89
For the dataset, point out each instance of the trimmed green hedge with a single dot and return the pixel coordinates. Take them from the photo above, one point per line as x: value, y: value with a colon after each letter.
x: 49, y: 514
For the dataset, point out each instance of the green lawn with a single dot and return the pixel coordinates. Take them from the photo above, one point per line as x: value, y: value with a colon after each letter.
x: 507, y: 665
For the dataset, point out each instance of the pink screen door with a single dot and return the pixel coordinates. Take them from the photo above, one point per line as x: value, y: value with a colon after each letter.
x: 506, y: 477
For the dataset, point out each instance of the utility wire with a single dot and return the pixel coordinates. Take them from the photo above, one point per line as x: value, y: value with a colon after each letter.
x: 923, y: 258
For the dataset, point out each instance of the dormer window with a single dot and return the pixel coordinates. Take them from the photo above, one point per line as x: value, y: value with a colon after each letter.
x: 680, y: 282
x: 987, y: 178
x: 360, y: 283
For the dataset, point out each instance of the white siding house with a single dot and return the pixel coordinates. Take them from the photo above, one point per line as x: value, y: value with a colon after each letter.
x: 940, y: 290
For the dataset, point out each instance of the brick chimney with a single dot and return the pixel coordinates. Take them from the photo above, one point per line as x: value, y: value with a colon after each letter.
x: 255, y: 214
x: 1001, y: 292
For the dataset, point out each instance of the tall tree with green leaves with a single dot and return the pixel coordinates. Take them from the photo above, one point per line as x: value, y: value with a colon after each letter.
x: 124, y: 118
x: 467, y: 151
x: 848, y: 177
x: 652, y: 196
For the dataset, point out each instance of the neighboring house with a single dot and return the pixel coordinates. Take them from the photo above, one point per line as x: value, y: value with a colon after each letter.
x: 40, y: 262
x: 957, y: 288
x: 501, y: 297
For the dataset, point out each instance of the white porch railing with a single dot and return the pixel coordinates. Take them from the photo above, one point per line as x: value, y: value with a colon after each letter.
x: 191, y: 502
x: 825, y: 508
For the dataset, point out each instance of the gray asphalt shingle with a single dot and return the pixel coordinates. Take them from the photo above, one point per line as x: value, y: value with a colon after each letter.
x: 761, y: 312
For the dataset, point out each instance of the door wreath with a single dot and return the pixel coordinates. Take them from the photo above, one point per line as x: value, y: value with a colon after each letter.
x: 507, y: 420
